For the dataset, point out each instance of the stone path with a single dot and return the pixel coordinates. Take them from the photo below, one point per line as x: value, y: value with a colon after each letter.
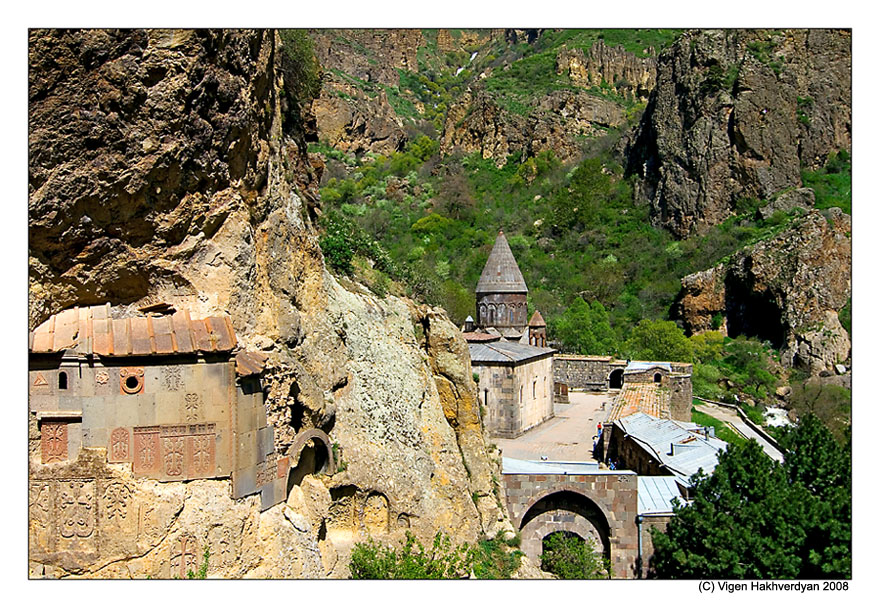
x: 568, y: 436
x: 725, y: 415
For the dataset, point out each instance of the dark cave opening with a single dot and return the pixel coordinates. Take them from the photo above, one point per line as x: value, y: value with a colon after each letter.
x: 753, y: 314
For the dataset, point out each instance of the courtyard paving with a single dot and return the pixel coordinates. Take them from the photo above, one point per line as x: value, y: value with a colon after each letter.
x: 568, y: 436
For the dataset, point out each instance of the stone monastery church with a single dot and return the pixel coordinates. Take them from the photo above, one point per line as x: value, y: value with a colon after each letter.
x: 520, y: 375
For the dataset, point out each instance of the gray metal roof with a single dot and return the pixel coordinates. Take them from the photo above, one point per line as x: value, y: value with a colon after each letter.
x: 675, y: 444
x: 503, y: 352
x: 501, y: 273
x: 656, y: 494
x: 513, y: 466
x: 640, y: 366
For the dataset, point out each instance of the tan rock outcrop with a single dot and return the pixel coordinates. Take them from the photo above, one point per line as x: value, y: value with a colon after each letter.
x: 787, y: 289
x: 625, y: 73
x: 476, y: 123
x: 162, y: 170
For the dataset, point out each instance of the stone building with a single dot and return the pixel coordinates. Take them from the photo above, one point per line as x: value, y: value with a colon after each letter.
x: 589, y: 372
x: 509, y: 351
x: 515, y: 384
x: 653, y: 446
x: 163, y: 395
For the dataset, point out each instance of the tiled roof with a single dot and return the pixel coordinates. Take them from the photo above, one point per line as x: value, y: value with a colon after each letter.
x: 91, y: 330
x: 501, y: 273
x: 505, y: 352
x: 537, y: 320
x: 249, y: 363
x: 478, y: 336
x: 645, y: 397
x: 675, y: 444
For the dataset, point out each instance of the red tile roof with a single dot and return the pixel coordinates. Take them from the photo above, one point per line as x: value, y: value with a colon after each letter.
x: 647, y: 398
x: 91, y: 330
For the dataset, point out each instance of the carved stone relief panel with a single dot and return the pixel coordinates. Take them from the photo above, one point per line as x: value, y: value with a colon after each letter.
x: 116, y: 501
x: 53, y: 441
x: 191, y: 408
x: 131, y: 380
x: 171, y: 377
x: 146, y: 451
x: 201, y: 455
x: 120, y: 446
x: 41, y: 515
x: 184, y: 556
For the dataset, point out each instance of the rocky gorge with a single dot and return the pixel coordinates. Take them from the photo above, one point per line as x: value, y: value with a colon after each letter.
x: 203, y: 170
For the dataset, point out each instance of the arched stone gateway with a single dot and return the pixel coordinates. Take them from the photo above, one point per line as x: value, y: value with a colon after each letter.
x: 615, y: 379
x: 600, y: 505
x: 308, y: 459
x: 566, y: 511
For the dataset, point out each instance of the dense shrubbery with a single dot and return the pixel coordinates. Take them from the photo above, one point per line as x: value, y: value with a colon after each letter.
x: 756, y: 518
x: 443, y: 560
x: 568, y: 556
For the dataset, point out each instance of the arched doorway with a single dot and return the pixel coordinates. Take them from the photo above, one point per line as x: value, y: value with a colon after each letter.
x: 310, y: 453
x: 565, y: 511
x: 615, y: 379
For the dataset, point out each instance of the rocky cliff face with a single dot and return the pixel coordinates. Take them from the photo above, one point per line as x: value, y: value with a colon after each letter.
x: 735, y: 114
x: 349, y: 118
x: 788, y: 290
x: 163, y: 168
x: 627, y: 75
x: 477, y: 123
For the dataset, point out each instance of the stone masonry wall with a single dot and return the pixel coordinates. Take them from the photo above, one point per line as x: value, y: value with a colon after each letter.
x: 516, y: 398
x: 589, y: 373
x: 614, y: 493
x: 649, y: 522
x: 681, y: 397
x: 498, y: 393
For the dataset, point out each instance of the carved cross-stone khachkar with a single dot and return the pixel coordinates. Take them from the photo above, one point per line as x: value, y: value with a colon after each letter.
x: 171, y: 377
x: 183, y: 560
x: 53, y: 441
x: 146, y: 450
x: 76, y: 508
x: 172, y: 447
x: 119, y: 445
x: 192, y: 405
x: 202, y: 454
x: 116, y: 499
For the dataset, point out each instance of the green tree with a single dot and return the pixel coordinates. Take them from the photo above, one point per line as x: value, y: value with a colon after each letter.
x: 749, y: 362
x: 658, y: 341
x: 585, y: 328
x: 831, y: 404
x: 570, y: 557
x: 707, y: 346
x: 757, y: 518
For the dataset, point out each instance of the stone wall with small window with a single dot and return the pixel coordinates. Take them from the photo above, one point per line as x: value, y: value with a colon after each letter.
x: 168, y: 418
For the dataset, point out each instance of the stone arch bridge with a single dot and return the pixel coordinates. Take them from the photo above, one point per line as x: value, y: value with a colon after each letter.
x: 600, y: 505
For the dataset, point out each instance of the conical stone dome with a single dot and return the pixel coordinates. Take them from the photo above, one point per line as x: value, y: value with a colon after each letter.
x: 501, y: 273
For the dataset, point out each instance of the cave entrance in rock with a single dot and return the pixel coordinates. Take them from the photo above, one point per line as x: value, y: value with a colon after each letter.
x: 752, y: 314
x: 615, y: 379
x: 310, y: 453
